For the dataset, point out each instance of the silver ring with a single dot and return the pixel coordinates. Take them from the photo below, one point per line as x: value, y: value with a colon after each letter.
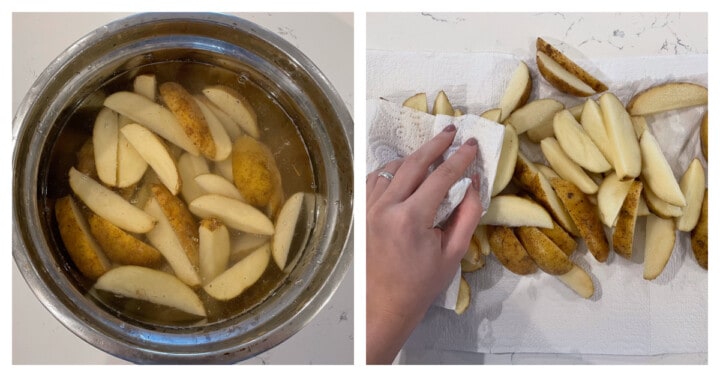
x: 387, y: 175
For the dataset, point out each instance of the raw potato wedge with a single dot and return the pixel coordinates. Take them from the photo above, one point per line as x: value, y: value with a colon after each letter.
x: 236, y: 106
x: 692, y: 185
x: 509, y: 251
x: 232, y: 129
x: 610, y: 197
x: 463, y: 298
x: 704, y: 135
x: 105, y: 146
x: 285, y: 229
x: 86, y: 159
x: 233, y: 213
x: 131, y: 166
x: 699, y: 235
x: 506, y: 163
x: 659, y: 245
x: 669, y: 96
x: 624, y: 231
x: 643, y: 209
x: 579, y: 281
x: 215, y: 184
x: 442, y: 104
x: 592, y: 122
x: 152, y: 116
x: 640, y: 125
x: 466, y: 266
x: 84, y: 251
x: 540, y: 132
x: 517, y: 91
x: 472, y: 255
x: 547, y: 171
x: 577, y: 143
x: 577, y: 111
x: 657, y: 173
x: 109, y: 205
x: 190, y: 116
x: 220, y: 137
x: 659, y: 206
x: 146, y: 284
x: 122, y: 247
x: 557, y: 76
x: 247, y: 242
x: 534, y: 114
x: 621, y: 134
x: 457, y: 112
x: 481, y: 237
x: 417, y: 102
x: 546, y: 254
x: 566, y: 167
x: 561, y: 238
x: 510, y: 210
x: 492, y: 114
x: 569, y: 65
x: 224, y: 168
x: 585, y: 216
x: 236, y: 279
x: 255, y: 172
x: 214, y: 248
x: 146, y: 85
x: 189, y: 167
x: 154, y: 152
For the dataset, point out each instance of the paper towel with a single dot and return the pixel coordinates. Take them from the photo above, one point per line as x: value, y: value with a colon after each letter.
x: 538, y: 314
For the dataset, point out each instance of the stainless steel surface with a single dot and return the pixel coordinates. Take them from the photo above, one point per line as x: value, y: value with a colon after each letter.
x: 69, y: 85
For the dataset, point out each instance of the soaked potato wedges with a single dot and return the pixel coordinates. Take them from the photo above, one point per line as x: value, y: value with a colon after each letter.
x: 509, y: 251
x: 546, y: 254
x: 190, y: 116
x: 255, y: 172
x: 84, y: 251
x: 122, y: 247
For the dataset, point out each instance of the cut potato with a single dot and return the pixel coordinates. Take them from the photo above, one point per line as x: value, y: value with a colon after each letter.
x: 153, y: 116
x: 577, y: 143
x: 593, y: 124
x: 704, y: 135
x: 154, y: 152
x: 513, y: 211
x: 493, y: 115
x: 146, y: 85
x: 233, y: 213
x: 585, y: 216
x: 570, y: 66
x: 534, y: 114
x: 547, y: 171
x: 610, y: 197
x: 466, y: 266
x: 566, y: 167
x: 669, y: 96
x: 506, y: 162
x: 86, y: 159
x: 191, y: 118
x: 457, y: 112
x: 417, y: 102
x: 692, y: 185
x: 640, y: 125
x: 442, y: 104
x: 509, y: 250
x: 557, y: 76
x: 657, y: 173
x: 473, y: 254
x: 579, y: 281
x: 105, y: 143
x: 621, y: 134
x: 146, y: 284
x: 659, y: 245
x: 699, y: 235
x: 540, y: 132
x: 246, y: 242
x: 285, y: 229
x: 232, y: 129
x: 85, y: 252
x: 189, y: 167
x: 220, y: 137
x: 214, y: 248
x: 659, y: 206
x: 236, y: 279
x: 255, y: 172
x: 517, y: 91
x: 122, y: 247
x: 546, y: 254
x: 131, y: 166
x: 624, y: 232
x: 561, y: 238
x: 643, y: 209
x: 463, y: 298
x: 109, y: 205
x: 215, y: 184
x: 481, y: 237
x: 224, y: 169
x: 236, y: 106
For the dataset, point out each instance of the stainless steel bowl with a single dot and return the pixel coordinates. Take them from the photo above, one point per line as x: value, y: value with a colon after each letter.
x: 46, y: 139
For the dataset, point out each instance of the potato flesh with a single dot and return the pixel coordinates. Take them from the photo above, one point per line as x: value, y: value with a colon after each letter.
x: 517, y: 91
x: 627, y: 159
x: 657, y: 173
x: 509, y: 250
x: 506, y: 163
x: 255, y: 172
x: 84, y: 251
x: 692, y: 185
x: 509, y: 210
x: 577, y: 143
x: 659, y: 245
x: 624, y: 232
x: 566, y: 167
x: 417, y: 102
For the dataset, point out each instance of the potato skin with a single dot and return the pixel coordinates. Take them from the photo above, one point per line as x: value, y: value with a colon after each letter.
x: 86, y: 159
x: 704, y: 135
x: 699, y: 235
x: 82, y: 248
x: 182, y: 221
x: 569, y: 65
x: 120, y: 246
x: 625, y: 224
x: 509, y: 251
x: 255, y: 173
x: 546, y: 254
x: 561, y: 238
x: 190, y: 116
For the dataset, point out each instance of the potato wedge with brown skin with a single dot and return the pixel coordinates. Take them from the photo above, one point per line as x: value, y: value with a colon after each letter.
x: 84, y: 251
x: 585, y: 216
x: 566, y: 167
x: 122, y: 247
x: 255, y: 172
x: 417, y: 102
x: 181, y: 220
x: 463, y: 298
x: 508, y: 249
x: 578, y: 145
x: 517, y: 91
x: 511, y: 210
x: 506, y: 162
x: 570, y: 66
x: 579, y: 281
x: 704, y: 135
x: 668, y: 96
x: 86, y: 159
x: 442, y: 104
x: 472, y: 255
x: 466, y: 266
x: 534, y: 114
x: 659, y: 206
x: 547, y: 255
x: 547, y: 171
x: 591, y: 119
x: 190, y: 116
x: 657, y: 173
x: 561, y: 238
x: 659, y: 245
x: 624, y: 231
x: 699, y: 235
x: 563, y: 80
x: 610, y: 198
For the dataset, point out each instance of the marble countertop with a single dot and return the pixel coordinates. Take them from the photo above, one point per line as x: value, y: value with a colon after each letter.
x: 38, y: 338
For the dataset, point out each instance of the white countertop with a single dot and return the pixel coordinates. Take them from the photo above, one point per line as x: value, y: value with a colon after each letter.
x: 38, y: 338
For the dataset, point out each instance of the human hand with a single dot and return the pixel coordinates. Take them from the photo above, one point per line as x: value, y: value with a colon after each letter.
x: 409, y: 262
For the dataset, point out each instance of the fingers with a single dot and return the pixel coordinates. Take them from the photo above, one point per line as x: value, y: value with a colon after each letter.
x: 462, y: 223
x: 377, y: 185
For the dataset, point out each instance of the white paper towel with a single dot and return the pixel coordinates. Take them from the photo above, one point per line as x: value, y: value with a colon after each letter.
x: 538, y: 314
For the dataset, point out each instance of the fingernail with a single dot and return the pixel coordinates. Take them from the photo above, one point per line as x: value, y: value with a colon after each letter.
x: 471, y: 141
x: 450, y: 128
x: 476, y: 181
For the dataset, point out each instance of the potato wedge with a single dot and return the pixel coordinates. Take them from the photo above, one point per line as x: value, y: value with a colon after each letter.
x: 233, y: 213
x: 534, y: 114
x: 659, y: 206
x: 122, y: 247
x: 285, y: 229
x: 481, y: 237
x: 189, y: 167
x: 190, y: 117
x: 579, y: 281
x: 668, y: 96
x: 153, y: 151
x: 146, y: 85
x: 509, y: 251
x: 246, y: 242
x: 659, y: 245
x: 215, y: 184
x: 224, y: 168
x: 570, y: 66
x: 643, y: 209
x: 232, y: 103
x: 220, y: 137
x: 699, y: 235
x: 657, y: 173
x: 506, y: 162
x: 640, y: 125
x: 627, y: 159
x: 692, y: 185
x: 146, y: 284
x: 510, y: 210
x: 131, y: 166
x: 704, y: 135
x: 255, y: 172
x: 84, y: 251
x: 517, y: 91
x: 105, y: 143
x: 417, y: 102
x: 110, y: 205
x: 463, y: 298
x: 624, y: 232
x: 585, y: 216
x: 236, y: 279
x: 466, y: 266
x: 232, y: 129
x: 610, y: 197
x: 472, y: 254
x: 180, y: 219
x: 214, y: 248
x: 492, y: 114
x: 442, y: 104
x: 566, y: 167
x: 561, y: 238
x: 546, y: 254
x: 592, y: 122
x: 577, y: 143
x: 563, y: 80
